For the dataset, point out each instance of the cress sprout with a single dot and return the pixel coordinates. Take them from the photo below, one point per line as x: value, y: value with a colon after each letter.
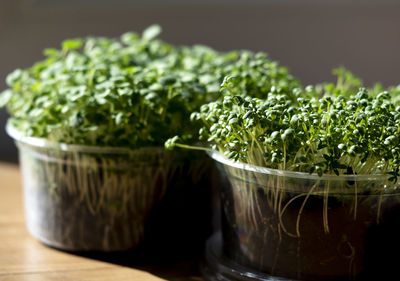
x: 352, y: 134
x: 133, y: 91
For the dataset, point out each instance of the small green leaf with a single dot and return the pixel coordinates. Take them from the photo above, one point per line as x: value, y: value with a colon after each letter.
x: 151, y: 32
x: 5, y: 97
x: 129, y: 37
x: 71, y: 44
x: 170, y: 143
x: 13, y: 77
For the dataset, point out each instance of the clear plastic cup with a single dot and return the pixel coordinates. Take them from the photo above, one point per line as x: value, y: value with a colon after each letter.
x: 283, y: 225
x: 88, y: 198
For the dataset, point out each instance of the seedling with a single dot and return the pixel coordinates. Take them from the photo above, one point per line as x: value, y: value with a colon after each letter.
x: 308, y: 178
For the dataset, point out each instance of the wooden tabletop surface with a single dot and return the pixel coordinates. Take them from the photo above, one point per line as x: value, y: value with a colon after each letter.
x: 24, y: 258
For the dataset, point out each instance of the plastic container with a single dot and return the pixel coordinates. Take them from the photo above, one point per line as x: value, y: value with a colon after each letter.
x: 282, y: 225
x: 87, y: 198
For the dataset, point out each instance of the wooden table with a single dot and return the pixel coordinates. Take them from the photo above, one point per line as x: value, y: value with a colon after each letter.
x: 24, y: 258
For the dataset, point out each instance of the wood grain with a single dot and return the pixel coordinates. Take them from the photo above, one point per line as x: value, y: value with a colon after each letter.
x: 24, y: 258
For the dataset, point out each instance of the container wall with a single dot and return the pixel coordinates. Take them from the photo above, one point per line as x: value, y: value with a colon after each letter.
x: 78, y: 200
x: 310, y: 228
x: 83, y: 201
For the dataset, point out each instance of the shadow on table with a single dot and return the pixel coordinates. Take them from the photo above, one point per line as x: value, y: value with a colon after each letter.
x: 166, y: 265
x: 169, y: 251
x: 175, y: 236
x: 176, y: 233
x: 170, y: 258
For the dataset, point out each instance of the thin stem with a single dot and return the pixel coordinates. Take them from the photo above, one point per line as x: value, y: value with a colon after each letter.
x: 194, y: 147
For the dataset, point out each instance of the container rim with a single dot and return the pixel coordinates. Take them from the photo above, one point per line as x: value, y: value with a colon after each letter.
x: 219, y: 157
x: 44, y: 143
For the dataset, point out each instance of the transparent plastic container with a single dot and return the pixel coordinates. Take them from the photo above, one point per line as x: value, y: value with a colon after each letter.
x: 88, y: 198
x: 282, y: 225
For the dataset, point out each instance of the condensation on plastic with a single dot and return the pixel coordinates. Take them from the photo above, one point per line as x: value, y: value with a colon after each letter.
x: 283, y: 225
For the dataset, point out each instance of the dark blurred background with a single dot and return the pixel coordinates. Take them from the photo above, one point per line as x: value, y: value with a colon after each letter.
x: 310, y: 36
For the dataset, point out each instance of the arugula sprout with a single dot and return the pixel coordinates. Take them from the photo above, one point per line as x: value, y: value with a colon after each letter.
x: 357, y: 134
x: 133, y: 91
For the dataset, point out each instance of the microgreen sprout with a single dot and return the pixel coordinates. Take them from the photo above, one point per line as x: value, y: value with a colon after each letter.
x: 133, y: 91
x: 356, y: 134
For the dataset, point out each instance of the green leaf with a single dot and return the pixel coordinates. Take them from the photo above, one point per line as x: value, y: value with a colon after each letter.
x: 50, y: 52
x: 13, y: 77
x: 5, y: 97
x: 71, y: 44
x: 151, y: 32
x: 129, y: 37
x: 170, y: 143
